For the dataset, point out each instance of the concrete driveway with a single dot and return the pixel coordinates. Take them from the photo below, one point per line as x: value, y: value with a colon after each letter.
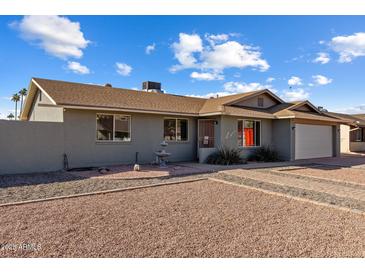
x: 353, y: 160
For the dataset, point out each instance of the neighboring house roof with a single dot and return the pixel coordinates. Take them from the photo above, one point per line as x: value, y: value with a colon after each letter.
x: 361, y: 116
x: 353, y: 119
x: 87, y: 96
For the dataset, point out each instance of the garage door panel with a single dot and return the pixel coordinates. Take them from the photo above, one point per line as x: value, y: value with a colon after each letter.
x: 313, y: 141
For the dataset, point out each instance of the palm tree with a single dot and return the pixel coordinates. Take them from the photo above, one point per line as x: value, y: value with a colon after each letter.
x: 22, y: 93
x: 11, y: 116
x: 16, y: 99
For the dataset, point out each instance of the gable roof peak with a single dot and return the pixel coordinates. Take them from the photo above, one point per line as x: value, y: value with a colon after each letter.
x: 247, y: 95
x: 297, y: 104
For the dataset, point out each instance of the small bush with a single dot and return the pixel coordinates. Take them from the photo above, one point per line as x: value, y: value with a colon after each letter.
x: 225, y: 156
x: 265, y: 154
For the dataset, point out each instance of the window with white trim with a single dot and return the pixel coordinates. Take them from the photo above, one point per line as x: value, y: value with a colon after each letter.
x: 175, y: 129
x: 249, y: 133
x: 113, y: 127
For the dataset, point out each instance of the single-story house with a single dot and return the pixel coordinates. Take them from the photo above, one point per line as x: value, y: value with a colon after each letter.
x: 352, y: 132
x: 106, y: 125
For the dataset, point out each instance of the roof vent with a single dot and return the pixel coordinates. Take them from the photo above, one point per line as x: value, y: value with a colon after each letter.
x: 152, y: 87
x: 107, y: 85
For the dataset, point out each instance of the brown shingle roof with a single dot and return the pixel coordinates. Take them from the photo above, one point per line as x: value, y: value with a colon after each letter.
x: 286, y: 112
x: 279, y: 107
x: 89, y: 96
x: 75, y: 94
x: 247, y: 112
x: 86, y: 95
x: 314, y: 116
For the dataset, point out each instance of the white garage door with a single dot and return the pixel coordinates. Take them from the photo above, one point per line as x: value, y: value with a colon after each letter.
x: 313, y: 141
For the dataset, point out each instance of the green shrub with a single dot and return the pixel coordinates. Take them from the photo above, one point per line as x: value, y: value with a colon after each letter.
x: 265, y: 154
x: 225, y: 156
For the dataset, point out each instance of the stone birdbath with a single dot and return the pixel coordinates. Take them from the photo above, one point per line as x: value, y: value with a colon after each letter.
x: 162, y: 155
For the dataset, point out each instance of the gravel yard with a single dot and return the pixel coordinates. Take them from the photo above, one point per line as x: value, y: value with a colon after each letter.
x: 324, y: 190
x: 351, y: 175
x: 17, y: 188
x: 198, y: 219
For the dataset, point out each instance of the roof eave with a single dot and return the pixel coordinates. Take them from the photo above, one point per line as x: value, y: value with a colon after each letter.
x: 68, y: 106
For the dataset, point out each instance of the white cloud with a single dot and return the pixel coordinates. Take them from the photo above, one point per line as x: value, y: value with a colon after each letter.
x: 207, y: 76
x: 270, y: 79
x: 191, y: 53
x: 77, y: 68
x: 211, y: 94
x: 56, y: 35
x: 123, y: 69
x: 232, y: 54
x: 322, y: 58
x: 349, y: 47
x: 294, y: 81
x: 321, y: 80
x: 150, y: 48
x: 298, y: 94
x: 241, y: 87
x: 213, y: 38
x: 231, y: 88
x: 184, y: 50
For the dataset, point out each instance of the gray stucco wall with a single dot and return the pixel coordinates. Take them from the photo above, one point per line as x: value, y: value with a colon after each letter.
x: 229, y: 131
x: 336, y: 140
x: 357, y: 146
x: 30, y: 147
x: 283, y: 138
x: 39, y: 146
x: 40, y: 112
x: 82, y: 148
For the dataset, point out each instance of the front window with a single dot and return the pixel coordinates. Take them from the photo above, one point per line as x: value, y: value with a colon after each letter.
x: 176, y: 129
x: 357, y: 135
x: 249, y: 133
x: 260, y: 102
x: 122, y: 130
x: 113, y: 127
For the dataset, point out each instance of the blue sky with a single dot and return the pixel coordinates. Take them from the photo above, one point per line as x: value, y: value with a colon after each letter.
x: 320, y: 58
